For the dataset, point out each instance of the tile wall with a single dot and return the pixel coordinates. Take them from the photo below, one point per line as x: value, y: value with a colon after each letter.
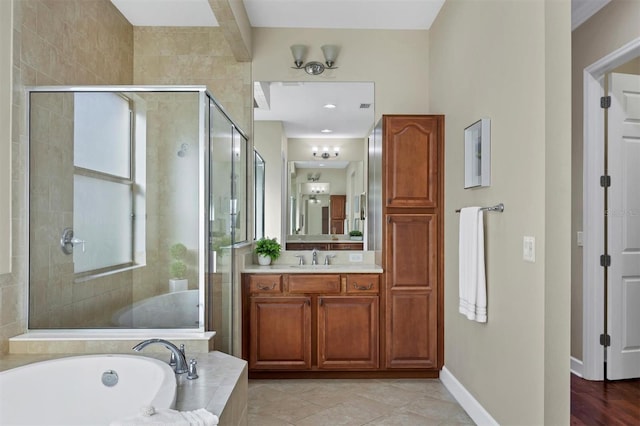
x: 54, y: 43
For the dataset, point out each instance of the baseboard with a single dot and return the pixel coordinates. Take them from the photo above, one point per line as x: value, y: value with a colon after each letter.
x: 577, y: 367
x: 473, y: 408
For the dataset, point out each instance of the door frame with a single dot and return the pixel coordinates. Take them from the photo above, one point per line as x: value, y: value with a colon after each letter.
x: 593, y: 206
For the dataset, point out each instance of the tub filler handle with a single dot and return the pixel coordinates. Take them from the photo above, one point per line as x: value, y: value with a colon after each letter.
x: 193, y: 371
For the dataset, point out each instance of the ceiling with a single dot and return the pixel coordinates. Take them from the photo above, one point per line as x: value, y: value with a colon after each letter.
x: 299, y: 106
x: 358, y: 14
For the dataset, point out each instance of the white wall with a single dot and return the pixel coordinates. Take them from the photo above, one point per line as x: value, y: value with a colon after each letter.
x: 396, y: 61
x: 5, y: 135
x: 498, y: 60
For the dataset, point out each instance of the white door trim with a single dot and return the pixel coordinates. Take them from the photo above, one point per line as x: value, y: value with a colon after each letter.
x: 593, y: 207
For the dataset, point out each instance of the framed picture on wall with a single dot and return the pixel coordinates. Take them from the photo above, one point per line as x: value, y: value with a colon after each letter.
x: 477, y: 154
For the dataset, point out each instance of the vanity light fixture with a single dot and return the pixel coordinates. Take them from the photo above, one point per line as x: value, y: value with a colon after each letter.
x: 299, y: 51
x: 325, y: 152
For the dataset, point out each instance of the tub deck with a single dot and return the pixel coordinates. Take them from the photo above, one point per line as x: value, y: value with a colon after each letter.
x: 220, y: 389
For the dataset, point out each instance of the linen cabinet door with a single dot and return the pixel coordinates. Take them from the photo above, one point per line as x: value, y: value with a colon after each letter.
x: 280, y: 333
x: 348, y: 332
x: 412, y: 160
x: 412, y: 288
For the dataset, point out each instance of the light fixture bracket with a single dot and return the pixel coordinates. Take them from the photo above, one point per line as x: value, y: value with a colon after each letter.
x: 325, y: 155
x: 314, y: 68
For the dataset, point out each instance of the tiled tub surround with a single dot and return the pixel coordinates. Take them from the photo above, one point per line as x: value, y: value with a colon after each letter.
x: 105, y: 341
x: 221, y: 387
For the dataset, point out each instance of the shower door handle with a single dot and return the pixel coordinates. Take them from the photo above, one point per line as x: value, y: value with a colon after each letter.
x: 67, y: 241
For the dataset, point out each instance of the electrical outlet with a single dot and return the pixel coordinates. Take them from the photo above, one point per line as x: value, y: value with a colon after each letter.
x: 355, y: 257
x: 529, y: 249
x: 580, y: 238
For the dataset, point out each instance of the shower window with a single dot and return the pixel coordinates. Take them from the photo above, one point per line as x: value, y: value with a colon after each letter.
x: 103, y: 182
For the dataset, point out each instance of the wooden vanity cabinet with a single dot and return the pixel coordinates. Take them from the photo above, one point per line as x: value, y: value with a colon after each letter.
x: 311, y: 322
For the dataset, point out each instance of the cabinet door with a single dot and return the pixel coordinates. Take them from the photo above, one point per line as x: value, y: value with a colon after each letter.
x: 348, y: 332
x: 412, y: 340
x: 412, y: 160
x: 337, y: 226
x: 338, y: 206
x: 280, y: 333
x: 412, y: 291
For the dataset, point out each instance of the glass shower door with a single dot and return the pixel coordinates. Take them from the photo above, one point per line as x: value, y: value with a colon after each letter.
x: 221, y: 228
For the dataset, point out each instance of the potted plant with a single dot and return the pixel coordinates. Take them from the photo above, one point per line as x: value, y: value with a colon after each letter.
x: 355, y: 235
x: 178, y: 269
x: 268, y: 250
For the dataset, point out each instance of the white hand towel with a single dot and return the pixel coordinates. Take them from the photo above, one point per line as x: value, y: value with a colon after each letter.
x: 472, y: 285
x: 168, y: 417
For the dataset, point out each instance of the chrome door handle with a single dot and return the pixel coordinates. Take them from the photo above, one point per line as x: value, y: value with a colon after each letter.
x: 67, y: 241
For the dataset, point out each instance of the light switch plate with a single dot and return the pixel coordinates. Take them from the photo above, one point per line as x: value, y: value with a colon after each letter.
x: 355, y: 257
x: 580, y: 238
x: 529, y: 249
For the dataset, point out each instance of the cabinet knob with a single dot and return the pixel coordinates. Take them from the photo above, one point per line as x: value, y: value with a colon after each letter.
x: 266, y: 287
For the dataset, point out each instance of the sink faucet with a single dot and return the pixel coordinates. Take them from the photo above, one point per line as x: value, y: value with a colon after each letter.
x: 314, y: 257
x: 327, y: 259
x: 181, y: 362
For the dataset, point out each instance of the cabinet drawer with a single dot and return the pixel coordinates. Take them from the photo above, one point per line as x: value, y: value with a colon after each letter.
x: 363, y: 283
x: 265, y: 283
x: 314, y: 283
x: 308, y: 246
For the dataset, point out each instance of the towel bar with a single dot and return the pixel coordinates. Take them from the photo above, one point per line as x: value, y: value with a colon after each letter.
x: 497, y: 208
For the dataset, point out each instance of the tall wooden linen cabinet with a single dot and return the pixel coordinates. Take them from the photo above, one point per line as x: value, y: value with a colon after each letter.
x: 406, y: 179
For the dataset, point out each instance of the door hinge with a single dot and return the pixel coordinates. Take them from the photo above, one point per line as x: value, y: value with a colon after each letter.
x: 605, y: 181
x: 605, y: 260
x: 605, y: 340
x: 605, y: 102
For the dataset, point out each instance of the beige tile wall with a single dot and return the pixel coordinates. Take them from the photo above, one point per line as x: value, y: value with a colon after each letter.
x: 55, y: 42
x: 195, y: 55
x: 89, y: 42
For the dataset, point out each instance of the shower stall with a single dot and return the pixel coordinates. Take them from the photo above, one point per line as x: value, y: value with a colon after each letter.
x: 137, y: 196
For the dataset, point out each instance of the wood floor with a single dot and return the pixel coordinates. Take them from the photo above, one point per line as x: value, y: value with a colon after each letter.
x: 605, y: 403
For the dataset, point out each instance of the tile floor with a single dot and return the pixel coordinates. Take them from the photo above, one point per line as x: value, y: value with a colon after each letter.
x: 353, y: 402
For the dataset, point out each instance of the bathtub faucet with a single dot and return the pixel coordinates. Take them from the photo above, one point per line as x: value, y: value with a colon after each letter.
x: 181, y: 362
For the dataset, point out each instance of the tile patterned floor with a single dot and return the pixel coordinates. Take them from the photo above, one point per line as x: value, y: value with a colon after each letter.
x: 359, y: 402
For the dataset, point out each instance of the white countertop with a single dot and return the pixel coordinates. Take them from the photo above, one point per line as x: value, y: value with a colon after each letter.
x: 352, y: 268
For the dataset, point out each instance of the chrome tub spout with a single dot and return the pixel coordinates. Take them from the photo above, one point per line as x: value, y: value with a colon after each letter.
x: 181, y: 362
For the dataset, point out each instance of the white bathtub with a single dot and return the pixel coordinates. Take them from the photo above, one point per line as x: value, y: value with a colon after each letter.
x: 70, y: 391
x: 170, y: 310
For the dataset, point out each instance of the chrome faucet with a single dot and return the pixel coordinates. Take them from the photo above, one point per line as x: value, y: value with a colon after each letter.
x: 327, y: 259
x: 314, y: 257
x: 181, y: 362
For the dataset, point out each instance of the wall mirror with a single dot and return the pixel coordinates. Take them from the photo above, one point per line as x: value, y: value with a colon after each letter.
x: 321, y: 130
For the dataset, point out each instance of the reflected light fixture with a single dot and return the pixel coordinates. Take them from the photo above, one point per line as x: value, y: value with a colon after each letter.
x: 325, y: 152
x: 299, y: 51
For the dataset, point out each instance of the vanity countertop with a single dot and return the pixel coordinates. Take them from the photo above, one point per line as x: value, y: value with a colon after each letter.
x: 353, y: 268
